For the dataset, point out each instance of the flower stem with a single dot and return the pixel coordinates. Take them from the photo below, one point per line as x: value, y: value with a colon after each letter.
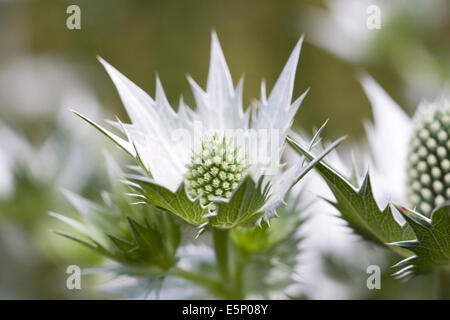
x: 221, y: 248
x: 210, y: 284
x: 443, y: 284
x: 241, y: 262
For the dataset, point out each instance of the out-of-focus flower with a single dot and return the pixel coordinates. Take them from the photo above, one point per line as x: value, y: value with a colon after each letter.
x: 54, y: 156
x: 42, y: 149
x: 341, y: 29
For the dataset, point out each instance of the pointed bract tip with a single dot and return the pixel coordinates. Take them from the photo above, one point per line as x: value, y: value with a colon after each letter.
x: 400, y: 208
x: 299, y: 43
x: 79, y: 115
x: 215, y: 43
x: 300, y: 40
x: 158, y: 82
x: 101, y: 60
x: 52, y: 214
x: 106, y: 64
x: 362, y: 76
x: 340, y: 140
x: 189, y: 78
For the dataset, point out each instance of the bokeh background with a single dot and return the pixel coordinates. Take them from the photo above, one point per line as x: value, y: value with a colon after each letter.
x: 46, y: 70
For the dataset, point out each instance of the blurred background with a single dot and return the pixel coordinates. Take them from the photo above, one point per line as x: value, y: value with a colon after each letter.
x: 47, y: 69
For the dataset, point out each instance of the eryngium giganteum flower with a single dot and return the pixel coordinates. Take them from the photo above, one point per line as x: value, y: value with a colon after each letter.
x: 201, y: 165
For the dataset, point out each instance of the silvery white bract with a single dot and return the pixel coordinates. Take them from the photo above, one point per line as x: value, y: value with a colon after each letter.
x: 211, y: 177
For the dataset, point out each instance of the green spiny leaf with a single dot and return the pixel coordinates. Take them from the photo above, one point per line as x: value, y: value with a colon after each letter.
x: 431, y: 247
x: 244, y: 206
x: 178, y: 203
x: 359, y: 208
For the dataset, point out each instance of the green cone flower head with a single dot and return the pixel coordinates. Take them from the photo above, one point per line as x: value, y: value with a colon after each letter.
x: 428, y: 158
x: 215, y: 171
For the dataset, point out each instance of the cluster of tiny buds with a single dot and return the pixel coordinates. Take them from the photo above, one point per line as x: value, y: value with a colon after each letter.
x: 214, y: 171
x: 428, y: 158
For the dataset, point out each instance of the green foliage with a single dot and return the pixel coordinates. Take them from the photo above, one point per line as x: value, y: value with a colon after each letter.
x: 431, y: 247
x: 260, y: 261
x: 132, y: 234
x: 269, y: 253
x: 428, y: 239
x: 243, y: 207
x: 358, y: 206
x: 177, y: 203
x: 37, y: 194
x: 262, y: 238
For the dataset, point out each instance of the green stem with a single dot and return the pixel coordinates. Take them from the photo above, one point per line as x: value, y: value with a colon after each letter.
x: 240, y: 267
x: 443, y: 284
x: 210, y: 284
x: 221, y: 248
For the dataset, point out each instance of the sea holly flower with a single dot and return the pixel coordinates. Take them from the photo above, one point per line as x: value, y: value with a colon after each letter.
x: 409, y: 165
x: 369, y: 32
x: 201, y: 165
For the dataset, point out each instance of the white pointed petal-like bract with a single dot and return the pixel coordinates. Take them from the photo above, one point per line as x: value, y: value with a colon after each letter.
x: 153, y: 125
x: 388, y: 138
x: 280, y: 185
x: 274, y: 112
x: 221, y: 95
x: 220, y: 106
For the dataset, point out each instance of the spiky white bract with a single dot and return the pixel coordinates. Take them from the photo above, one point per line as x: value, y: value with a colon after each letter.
x: 388, y: 138
x: 154, y: 136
